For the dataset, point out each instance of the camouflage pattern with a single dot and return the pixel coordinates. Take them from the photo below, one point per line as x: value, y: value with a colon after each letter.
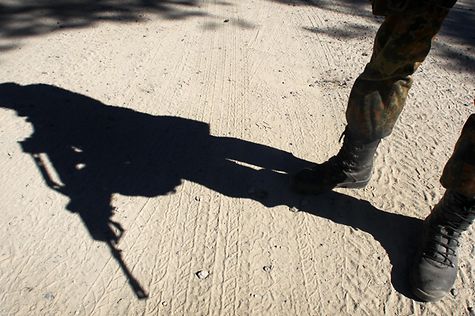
x: 459, y: 172
x: 379, y: 93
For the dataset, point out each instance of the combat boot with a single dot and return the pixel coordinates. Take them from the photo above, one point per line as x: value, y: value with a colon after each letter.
x: 435, y: 267
x: 352, y: 167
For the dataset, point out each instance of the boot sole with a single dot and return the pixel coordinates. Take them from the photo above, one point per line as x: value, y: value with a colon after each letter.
x: 426, y: 297
x: 348, y: 185
x: 353, y: 185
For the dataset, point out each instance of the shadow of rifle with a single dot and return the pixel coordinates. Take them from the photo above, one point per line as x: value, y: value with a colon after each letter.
x: 111, y: 242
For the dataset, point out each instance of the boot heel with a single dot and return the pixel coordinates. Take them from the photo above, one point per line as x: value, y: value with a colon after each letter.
x: 351, y: 168
x: 353, y: 185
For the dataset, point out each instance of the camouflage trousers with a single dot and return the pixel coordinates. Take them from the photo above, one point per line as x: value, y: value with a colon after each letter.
x: 379, y: 93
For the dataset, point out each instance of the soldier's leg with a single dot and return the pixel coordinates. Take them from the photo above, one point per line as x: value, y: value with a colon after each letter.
x: 376, y: 100
x: 379, y: 93
x: 435, y: 268
x: 459, y: 172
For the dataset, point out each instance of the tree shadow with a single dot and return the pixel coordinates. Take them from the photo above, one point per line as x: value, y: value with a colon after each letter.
x: 459, y: 26
x: 361, y: 8
x: 97, y: 150
x: 32, y: 18
x: 344, y: 32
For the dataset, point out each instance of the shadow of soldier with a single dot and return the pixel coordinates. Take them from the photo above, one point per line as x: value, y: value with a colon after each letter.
x: 98, y: 150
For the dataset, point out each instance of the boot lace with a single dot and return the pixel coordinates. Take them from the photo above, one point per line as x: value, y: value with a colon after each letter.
x: 456, y: 215
x: 440, y: 251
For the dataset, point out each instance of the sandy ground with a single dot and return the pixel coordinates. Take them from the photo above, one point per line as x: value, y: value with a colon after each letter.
x: 172, y: 126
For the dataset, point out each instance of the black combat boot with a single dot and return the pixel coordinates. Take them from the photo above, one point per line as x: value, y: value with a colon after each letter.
x: 350, y: 168
x: 435, y: 267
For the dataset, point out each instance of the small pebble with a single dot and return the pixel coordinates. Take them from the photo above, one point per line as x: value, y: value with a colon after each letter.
x: 202, y: 274
x: 294, y: 209
x: 267, y: 268
x: 454, y: 292
x: 48, y: 296
x: 164, y: 303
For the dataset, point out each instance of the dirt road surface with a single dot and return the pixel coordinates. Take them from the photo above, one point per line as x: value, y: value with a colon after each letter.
x: 146, y: 146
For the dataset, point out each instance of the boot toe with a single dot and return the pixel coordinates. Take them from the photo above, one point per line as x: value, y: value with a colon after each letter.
x: 431, y: 281
x: 316, y: 180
